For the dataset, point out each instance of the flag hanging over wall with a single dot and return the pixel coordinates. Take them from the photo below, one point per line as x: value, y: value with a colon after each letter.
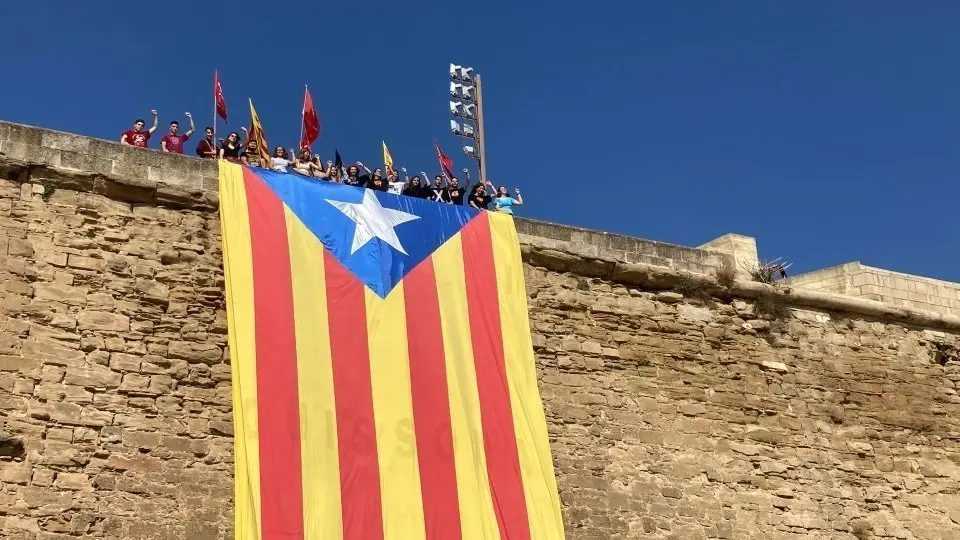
x: 384, y: 384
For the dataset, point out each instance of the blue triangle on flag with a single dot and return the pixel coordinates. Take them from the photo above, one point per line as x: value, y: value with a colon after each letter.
x: 377, y: 236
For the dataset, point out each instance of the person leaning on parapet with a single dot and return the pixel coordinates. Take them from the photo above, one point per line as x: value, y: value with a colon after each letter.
x: 250, y: 156
x: 173, y: 142
x: 207, y: 147
x: 137, y: 136
x: 455, y: 193
x: 230, y: 149
x: 503, y: 202
x: 438, y: 192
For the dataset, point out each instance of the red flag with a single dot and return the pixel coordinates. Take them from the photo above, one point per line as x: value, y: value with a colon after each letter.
x: 218, y: 97
x: 311, y: 123
x: 445, y: 162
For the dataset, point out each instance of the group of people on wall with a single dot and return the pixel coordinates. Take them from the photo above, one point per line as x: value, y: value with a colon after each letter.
x: 445, y: 188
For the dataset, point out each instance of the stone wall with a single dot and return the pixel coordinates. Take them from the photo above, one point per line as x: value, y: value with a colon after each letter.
x: 112, y: 364
x: 895, y: 288
x: 714, y: 414
x: 681, y: 404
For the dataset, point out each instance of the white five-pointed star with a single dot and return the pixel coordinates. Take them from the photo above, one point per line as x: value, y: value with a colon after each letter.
x: 373, y: 221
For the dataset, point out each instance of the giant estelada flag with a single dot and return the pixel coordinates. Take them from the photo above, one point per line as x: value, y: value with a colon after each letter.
x: 384, y: 384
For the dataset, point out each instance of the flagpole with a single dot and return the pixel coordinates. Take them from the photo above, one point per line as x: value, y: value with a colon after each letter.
x: 303, y: 111
x: 216, y: 82
x: 481, y: 146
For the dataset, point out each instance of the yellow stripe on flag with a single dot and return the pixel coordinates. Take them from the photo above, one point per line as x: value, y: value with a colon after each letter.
x: 320, y: 465
x: 238, y: 265
x: 529, y: 421
x: 477, y: 517
x: 393, y: 410
x: 387, y: 158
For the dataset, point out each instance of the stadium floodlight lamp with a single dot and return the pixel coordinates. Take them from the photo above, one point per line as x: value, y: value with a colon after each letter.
x: 470, y: 151
x: 455, y: 107
x: 455, y: 89
x: 455, y: 128
x: 469, y: 111
x: 468, y: 91
x: 460, y: 73
x: 468, y: 131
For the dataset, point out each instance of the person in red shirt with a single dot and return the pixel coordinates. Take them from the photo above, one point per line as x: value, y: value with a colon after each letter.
x: 137, y: 136
x: 207, y: 148
x: 172, y: 142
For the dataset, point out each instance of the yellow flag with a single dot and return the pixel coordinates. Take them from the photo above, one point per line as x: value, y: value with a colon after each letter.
x: 387, y: 158
x: 256, y: 132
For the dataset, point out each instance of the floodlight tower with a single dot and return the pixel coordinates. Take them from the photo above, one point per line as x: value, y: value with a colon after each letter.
x: 466, y: 103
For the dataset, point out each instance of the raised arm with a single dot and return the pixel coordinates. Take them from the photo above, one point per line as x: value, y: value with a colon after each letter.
x: 193, y: 127
x: 364, y: 167
x: 156, y: 121
x: 519, y: 200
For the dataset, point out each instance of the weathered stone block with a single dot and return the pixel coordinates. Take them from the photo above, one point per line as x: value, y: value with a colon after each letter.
x: 92, y: 376
x: 103, y: 321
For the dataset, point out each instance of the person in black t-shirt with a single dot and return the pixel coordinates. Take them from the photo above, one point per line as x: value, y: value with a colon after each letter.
x: 455, y: 193
x: 437, y: 192
x: 377, y: 181
x: 479, y: 198
x: 354, y: 178
x: 414, y: 189
x: 230, y: 150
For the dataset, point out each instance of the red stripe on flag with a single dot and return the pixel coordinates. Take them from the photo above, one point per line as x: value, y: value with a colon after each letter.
x: 278, y: 407
x: 356, y: 432
x: 499, y: 437
x: 431, y: 405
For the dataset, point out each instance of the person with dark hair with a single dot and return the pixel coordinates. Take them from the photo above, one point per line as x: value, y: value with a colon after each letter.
x: 503, y: 202
x: 251, y: 155
x: 479, y: 198
x: 281, y: 160
x: 230, y: 150
x: 354, y: 178
x: 172, y: 142
x: 438, y: 192
x: 137, y: 136
x: 455, y: 193
x: 396, y: 185
x: 207, y: 147
x: 414, y: 189
x: 377, y: 182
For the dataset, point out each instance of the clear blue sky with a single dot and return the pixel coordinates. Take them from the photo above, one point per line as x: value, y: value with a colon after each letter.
x: 827, y: 129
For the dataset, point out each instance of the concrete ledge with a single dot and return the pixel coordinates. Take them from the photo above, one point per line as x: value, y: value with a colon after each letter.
x: 660, y: 278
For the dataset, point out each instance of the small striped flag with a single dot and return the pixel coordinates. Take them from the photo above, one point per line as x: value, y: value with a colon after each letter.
x: 384, y: 384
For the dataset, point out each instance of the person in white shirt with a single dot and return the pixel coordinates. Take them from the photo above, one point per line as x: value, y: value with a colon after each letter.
x: 396, y: 185
x: 279, y: 162
x: 307, y: 165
